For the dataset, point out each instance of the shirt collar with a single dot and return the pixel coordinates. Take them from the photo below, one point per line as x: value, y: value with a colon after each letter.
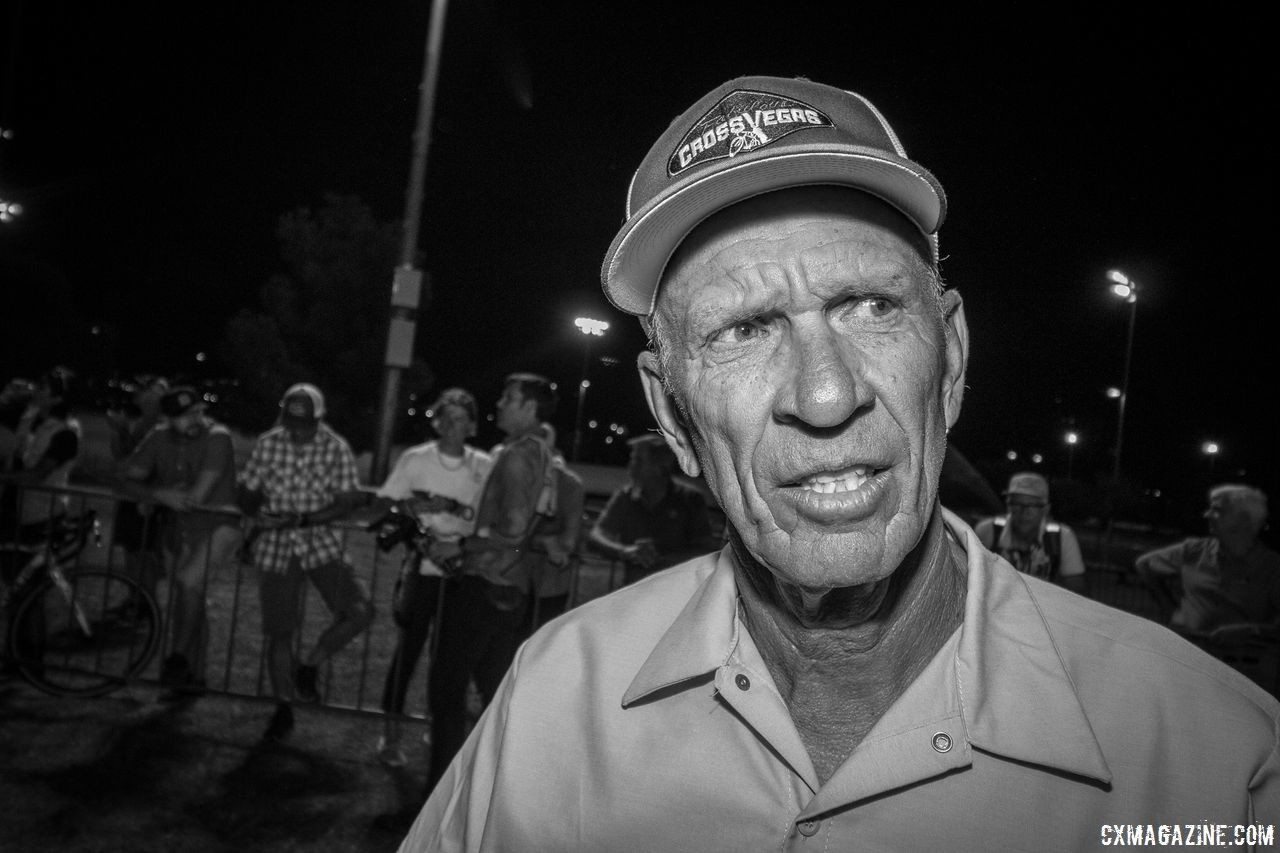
x: 1016, y: 697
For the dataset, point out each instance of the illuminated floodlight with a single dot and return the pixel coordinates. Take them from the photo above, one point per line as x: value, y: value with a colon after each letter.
x: 1113, y: 393
x: 1210, y: 448
x: 588, y: 326
x: 1072, y: 438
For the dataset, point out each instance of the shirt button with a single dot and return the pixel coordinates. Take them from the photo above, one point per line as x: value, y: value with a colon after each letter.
x: 743, y: 682
x: 808, y: 828
x: 942, y: 742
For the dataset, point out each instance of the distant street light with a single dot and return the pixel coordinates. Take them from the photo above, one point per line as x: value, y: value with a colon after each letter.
x: 1072, y: 438
x: 1211, y: 449
x: 590, y: 328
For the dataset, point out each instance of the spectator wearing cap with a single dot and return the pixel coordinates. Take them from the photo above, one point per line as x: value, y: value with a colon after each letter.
x: 187, y: 465
x: 47, y: 446
x: 1029, y: 539
x: 300, y: 477
x: 655, y: 520
x: 440, y: 482
x: 855, y: 671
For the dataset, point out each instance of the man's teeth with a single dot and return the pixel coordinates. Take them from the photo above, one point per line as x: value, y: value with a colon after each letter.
x: 829, y: 483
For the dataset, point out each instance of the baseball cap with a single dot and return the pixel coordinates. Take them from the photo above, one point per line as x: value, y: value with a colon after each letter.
x: 1030, y: 484
x: 179, y: 400
x: 749, y: 136
x: 302, y: 404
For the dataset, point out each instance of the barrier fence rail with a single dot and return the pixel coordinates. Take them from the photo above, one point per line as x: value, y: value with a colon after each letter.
x: 351, y: 680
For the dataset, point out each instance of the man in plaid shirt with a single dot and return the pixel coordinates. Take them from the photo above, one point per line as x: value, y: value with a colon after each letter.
x: 300, y: 476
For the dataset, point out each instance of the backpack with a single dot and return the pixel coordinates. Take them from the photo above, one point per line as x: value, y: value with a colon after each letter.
x: 1051, y: 540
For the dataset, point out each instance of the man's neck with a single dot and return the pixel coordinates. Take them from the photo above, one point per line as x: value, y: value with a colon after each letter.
x: 455, y: 449
x: 841, y: 662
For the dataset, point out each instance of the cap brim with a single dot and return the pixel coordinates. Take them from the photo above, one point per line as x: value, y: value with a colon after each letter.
x: 639, y: 253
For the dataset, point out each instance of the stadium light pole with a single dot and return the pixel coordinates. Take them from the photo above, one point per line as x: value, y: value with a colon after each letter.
x: 1127, y: 289
x: 1124, y: 288
x: 1211, y: 449
x: 590, y: 328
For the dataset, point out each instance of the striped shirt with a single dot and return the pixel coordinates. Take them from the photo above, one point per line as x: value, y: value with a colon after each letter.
x: 297, y: 479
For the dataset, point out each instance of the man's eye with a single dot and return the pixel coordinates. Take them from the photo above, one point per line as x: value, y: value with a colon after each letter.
x: 869, y: 307
x: 743, y: 330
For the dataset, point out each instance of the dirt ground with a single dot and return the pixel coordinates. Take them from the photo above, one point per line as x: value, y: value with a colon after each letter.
x: 129, y: 772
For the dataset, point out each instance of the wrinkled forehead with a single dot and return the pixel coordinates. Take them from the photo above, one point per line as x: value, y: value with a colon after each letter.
x: 782, y: 225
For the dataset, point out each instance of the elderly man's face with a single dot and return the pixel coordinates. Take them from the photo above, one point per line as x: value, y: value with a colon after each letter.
x: 819, y: 373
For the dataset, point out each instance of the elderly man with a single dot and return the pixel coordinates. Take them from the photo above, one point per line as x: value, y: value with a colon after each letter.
x: 854, y: 671
x: 1226, y: 584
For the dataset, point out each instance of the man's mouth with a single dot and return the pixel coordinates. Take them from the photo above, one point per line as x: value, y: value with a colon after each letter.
x: 833, y: 482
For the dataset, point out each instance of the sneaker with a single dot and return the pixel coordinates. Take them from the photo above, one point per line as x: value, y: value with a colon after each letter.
x: 281, y: 723
x: 390, y: 753
x: 304, y: 683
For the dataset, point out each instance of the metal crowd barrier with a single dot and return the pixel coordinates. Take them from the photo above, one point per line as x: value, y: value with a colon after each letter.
x: 352, y: 680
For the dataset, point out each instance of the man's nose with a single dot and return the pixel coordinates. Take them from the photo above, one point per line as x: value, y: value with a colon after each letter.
x: 825, y: 387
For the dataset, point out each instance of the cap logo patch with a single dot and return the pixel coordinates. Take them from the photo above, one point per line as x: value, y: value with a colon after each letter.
x: 743, y: 121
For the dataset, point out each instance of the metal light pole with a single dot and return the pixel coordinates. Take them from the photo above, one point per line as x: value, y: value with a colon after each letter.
x: 590, y: 329
x: 406, y: 285
x: 1127, y: 289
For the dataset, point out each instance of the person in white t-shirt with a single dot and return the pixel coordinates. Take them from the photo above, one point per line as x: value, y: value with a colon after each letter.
x: 440, y: 482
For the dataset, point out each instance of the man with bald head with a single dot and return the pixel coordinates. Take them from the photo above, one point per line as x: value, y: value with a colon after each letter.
x: 854, y: 670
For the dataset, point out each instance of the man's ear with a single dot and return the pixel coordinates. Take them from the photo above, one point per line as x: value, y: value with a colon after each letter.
x: 957, y: 331
x: 668, y: 415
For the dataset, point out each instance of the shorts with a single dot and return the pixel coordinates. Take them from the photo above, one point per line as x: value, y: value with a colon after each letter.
x: 281, y: 594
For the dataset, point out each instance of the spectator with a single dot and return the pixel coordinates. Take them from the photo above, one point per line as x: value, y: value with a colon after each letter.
x: 1031, y: 542
x: 47, y: 446
x: 14, y: 399
x: 480, y: 626
x: 654, y: 521
x: 186, y: 465
x: 138, y: 526
x: 554, y: 547
x: 300, y: 477
x: 855, y: 671
x: 1225, y: 585
x: 440, y: 482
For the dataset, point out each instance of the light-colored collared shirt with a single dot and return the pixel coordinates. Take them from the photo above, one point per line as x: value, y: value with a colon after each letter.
x: 647, y: 720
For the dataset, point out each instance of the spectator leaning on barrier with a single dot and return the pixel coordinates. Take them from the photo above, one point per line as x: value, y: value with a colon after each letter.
x: 137, y: 526
x: 47, y: 445
x: 1033, y: 543
x: 1226, y: 584
x: 187, y: 464
x: 654, y: 521
x: 440, y: 482
x: 855, y: 671
x: 300, y: 477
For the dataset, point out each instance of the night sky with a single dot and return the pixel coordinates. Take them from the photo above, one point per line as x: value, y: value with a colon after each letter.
x: 155, y: 150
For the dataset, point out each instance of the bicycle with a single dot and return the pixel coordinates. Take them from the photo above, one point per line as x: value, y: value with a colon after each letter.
x: 74, y: 632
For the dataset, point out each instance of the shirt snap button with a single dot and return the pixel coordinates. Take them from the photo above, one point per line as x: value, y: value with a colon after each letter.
x: 808, y: 828
x: 942, y: 742
x: 743, y: 682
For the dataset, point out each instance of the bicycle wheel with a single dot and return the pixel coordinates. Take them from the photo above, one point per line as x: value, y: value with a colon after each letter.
x: 85, y: 636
